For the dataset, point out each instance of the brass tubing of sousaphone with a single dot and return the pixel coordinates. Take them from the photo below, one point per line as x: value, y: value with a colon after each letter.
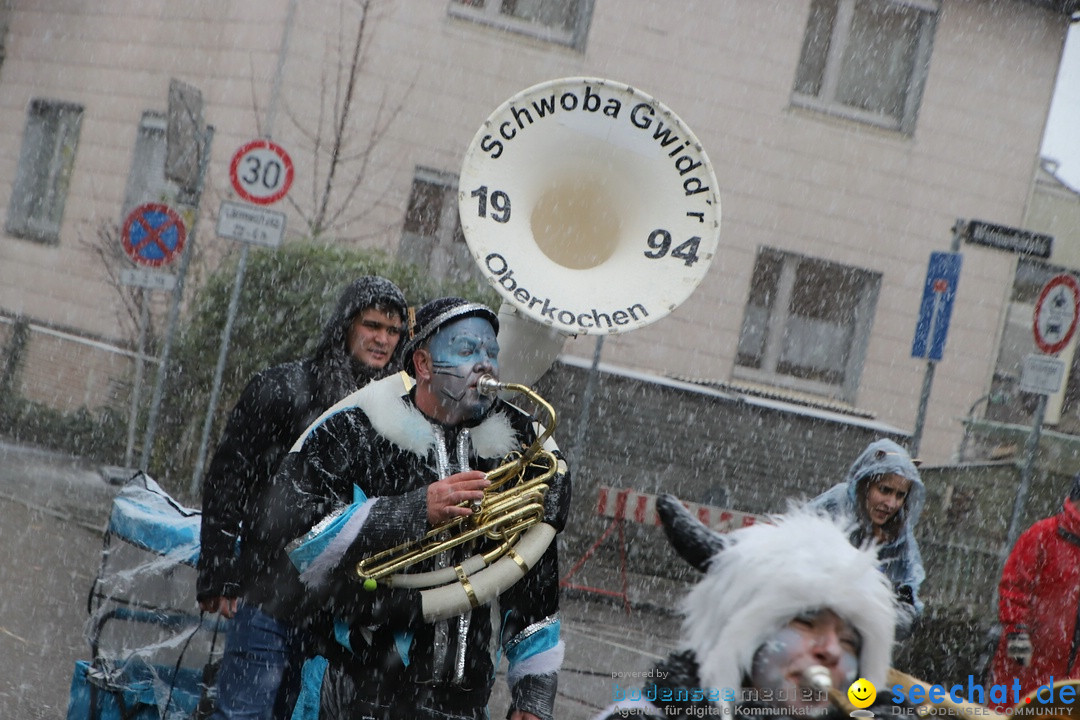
x: 502, y: 515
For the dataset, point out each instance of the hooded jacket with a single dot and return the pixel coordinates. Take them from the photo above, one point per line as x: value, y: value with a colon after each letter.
x: 900, y: 557
x: 1039, y: 594
x: 274, y: 409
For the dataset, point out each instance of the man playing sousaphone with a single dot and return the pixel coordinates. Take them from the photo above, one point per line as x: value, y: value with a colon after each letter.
x: 385, y: 466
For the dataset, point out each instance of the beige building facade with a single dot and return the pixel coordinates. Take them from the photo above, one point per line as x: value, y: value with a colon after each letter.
x: 847, y: 139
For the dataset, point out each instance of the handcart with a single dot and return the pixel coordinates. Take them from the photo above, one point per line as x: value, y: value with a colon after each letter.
x: 152, y: 653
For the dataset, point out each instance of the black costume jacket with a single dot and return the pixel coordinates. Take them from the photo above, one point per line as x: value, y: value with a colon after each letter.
x: 358, y: 483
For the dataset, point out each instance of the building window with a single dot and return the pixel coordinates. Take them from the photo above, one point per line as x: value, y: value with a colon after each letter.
x: 561, y: 21
x: 47, y: 156
x: 807, y: 324
x: 432, y: 237
x: 146, y: 179
x: 866, y: 59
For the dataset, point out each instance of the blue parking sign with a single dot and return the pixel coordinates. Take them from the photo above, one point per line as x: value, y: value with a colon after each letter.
x: 942, y: 276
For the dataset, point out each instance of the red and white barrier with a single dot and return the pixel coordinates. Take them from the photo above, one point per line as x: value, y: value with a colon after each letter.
x: 638, y: 507
x: 632, y: 506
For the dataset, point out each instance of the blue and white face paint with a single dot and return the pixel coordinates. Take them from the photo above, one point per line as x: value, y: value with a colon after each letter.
x: 461, y: 353
x: 780, y: 665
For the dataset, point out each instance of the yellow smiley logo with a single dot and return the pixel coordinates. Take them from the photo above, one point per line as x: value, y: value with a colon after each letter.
x: 862, y: 693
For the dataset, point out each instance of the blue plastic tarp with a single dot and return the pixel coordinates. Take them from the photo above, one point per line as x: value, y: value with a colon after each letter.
x: 144, y: 515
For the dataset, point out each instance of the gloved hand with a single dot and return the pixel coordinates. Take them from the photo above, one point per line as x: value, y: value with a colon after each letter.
x: 1018, y: 647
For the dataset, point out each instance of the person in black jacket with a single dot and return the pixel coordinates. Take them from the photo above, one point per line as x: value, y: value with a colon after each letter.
x: 388, y: 464
x: 360, y: 343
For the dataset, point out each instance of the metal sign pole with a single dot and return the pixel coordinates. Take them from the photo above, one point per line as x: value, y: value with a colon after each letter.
x: 136, y: 390
x: 238, y: 282
x: 586, y: 405
x: 219, y: 370
x: 174, y: 309
x: 1027, y: 471
x: 924, y: 400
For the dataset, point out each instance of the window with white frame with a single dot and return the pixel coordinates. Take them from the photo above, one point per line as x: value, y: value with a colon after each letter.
x: 561, y: 21
x: 146, y: 179
x: 432, y: 236
x: 867, y: 59
x: 807, y: 324
x: 46, y: 159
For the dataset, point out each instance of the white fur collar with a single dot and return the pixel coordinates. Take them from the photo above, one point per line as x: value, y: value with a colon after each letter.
x: 393, y: 416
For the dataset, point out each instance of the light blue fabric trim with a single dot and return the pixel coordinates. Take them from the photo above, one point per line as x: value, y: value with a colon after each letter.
x: 541, y: 640
x: 499, y: 647
x: 341, y: 634
x: 319, y: 537
x: 311, y: 678
x: 403, y: 641
x: 145, y: 515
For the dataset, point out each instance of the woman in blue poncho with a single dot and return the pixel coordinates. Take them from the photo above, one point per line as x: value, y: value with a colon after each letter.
x: 883, y: 496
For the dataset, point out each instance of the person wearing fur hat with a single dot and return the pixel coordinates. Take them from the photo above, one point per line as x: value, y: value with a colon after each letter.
x: 359, y: 343
x: 386, y: 465
x: 1039, y: 602
x: 785, y: 609
x: 883, y: 496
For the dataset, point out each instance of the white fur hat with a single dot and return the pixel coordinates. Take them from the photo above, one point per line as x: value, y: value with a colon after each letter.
x: 768, y: 574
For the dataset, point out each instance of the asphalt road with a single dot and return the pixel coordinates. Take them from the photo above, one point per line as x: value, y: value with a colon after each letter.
x: 53, y: 510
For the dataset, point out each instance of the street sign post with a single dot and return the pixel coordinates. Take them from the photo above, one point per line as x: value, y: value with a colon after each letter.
x: 261, y: 172
x: 153, y: 235
x: 1055, y: 317
x: 935, y: 310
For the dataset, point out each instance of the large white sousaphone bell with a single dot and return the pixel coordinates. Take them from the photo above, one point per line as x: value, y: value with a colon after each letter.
x: 591, y: 208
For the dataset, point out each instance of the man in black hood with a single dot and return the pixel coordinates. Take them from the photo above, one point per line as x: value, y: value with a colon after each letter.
x: 359, y: 344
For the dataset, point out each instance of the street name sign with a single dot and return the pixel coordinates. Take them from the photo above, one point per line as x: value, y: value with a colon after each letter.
x: 935, y: 310
x: 1002, y: 237
x: 251, y: 224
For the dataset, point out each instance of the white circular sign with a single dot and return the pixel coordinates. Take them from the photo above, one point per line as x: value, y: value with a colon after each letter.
x: 261, y: 172
x: 589, y: 206
x: 1056, y: 313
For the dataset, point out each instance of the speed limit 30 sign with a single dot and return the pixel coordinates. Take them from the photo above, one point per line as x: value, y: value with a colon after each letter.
x: 261, y: 172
